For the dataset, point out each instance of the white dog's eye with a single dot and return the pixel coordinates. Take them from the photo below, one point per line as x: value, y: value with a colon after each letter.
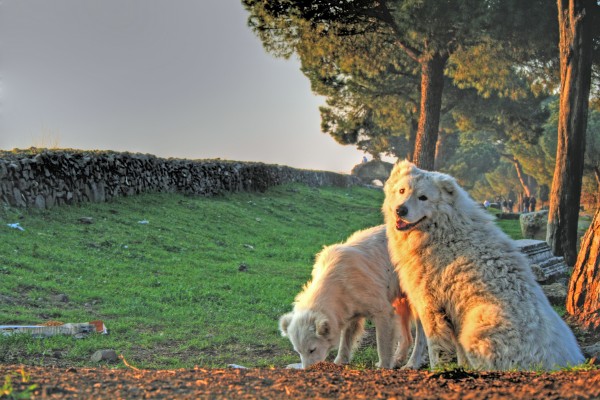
x: 312, y: 350
x: 422, y: 198
x: 401, y: 191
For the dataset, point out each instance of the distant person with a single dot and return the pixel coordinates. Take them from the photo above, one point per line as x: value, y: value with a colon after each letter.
x: 526, y: 204
x: 532, y: 202
x: 486, y: 204
x: 510, y: 205
x: 364, y: 159
x: 504, y: 206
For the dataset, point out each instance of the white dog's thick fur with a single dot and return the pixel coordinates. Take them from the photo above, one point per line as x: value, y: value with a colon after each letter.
x: 350, y: 282
x: 472, y: 289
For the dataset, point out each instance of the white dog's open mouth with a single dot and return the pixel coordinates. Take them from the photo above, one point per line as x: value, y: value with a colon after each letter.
x: 402, y: 225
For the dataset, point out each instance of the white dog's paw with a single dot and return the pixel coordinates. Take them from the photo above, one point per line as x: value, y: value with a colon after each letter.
x: 388, y: 365
x: 341, y: 360
x: 294, y: 366
x: 410, y: 365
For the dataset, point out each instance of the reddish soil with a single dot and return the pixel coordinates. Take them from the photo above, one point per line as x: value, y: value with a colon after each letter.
x: 324, y: 380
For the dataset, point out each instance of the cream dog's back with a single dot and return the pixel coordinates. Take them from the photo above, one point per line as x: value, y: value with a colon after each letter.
x: 350, y: 282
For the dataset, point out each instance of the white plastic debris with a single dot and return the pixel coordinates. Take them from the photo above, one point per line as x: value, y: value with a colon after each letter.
x: 144, y: 222
x: 41, y: 331
x: 16, y: 225
x: 236, y: 366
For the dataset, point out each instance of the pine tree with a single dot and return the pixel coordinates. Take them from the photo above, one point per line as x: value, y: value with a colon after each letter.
x: 427, y: 32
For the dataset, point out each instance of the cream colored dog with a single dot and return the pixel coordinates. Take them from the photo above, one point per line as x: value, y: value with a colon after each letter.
x: 473, y: 291
x: 350, y: 282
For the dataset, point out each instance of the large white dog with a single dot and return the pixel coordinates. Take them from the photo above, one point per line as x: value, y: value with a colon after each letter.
x: 472, y: 289
x: 350, y: 282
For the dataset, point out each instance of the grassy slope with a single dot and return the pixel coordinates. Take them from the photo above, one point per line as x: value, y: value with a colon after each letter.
x: 171, y: 291
x: 510, y: 226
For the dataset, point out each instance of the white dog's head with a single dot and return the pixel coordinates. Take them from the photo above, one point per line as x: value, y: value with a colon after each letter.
x: 415, y: 199
x: 311, y: 333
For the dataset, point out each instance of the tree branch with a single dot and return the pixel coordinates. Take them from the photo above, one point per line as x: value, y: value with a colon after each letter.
x: 520, y: 174
x: 384, y: 15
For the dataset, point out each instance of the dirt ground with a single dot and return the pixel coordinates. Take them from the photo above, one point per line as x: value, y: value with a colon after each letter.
x: 324, y: 380
x: 60, y: 380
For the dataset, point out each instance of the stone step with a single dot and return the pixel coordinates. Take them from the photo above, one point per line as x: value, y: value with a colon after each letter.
x: 540, y: 256
x: 531, y: 245
x: 535, y: 250
x: 545, y: 265
x: 554, y: 266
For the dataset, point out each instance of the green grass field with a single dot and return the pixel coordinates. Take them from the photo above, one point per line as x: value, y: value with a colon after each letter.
x: 203, y: 282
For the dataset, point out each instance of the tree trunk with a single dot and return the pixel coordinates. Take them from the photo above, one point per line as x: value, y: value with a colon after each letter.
x: 575, y: 47
x: 583, y: 297
x: 432, y: 87
x: 412, y: 139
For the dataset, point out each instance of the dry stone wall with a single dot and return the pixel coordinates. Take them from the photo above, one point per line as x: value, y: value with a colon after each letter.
x: 51, y: 178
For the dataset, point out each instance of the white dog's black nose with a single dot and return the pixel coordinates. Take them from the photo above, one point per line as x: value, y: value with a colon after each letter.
x: 401, y: 211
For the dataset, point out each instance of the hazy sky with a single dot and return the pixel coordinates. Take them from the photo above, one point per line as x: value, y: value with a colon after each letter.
x: 174, y: 78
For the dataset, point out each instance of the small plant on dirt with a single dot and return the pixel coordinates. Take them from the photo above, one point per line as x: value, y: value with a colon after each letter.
x: 452, y: 370
x: 588, y: 365
x: 8, y: 391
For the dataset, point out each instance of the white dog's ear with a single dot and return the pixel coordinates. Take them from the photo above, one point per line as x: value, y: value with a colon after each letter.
x: 448, y: 185
x: 284, y: 322
x: 322, y: 327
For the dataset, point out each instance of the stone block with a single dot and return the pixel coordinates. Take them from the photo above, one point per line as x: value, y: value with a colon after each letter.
x: 534, y: 225
x: 556, y: 293
x: 545, y: 266
x: 40, y: 201
x: 104, y: 355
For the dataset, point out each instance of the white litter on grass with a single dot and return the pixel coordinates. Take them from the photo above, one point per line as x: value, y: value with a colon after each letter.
x: 236, y: 366
x: 16, y: 225
x: 294, y: 366
x: 144, y: 222
x: 77, y: 330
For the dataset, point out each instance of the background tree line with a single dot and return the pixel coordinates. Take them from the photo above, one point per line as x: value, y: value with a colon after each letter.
x: 496, y: 126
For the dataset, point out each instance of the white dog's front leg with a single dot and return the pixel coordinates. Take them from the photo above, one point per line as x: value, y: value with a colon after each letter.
x: 403, y: 338
x: 441, y: 340
x: 416, y: 358
x: 461, y: 357
x: 385, y: 333
x: 435, y: 351
x: 351, y: 334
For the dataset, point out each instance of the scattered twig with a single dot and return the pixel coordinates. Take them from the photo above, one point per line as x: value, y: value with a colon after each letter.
x: 127, y: 364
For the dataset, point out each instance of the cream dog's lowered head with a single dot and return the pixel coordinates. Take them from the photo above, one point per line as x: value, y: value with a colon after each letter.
x: 311, y: 333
